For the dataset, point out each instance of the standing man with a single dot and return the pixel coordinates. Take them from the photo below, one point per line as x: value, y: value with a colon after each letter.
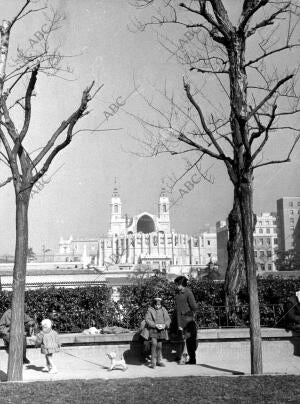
x: 186, y: 306
x: 5, y: 323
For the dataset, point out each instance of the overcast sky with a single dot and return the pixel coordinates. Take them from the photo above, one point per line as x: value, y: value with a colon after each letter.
x: 103, y: 44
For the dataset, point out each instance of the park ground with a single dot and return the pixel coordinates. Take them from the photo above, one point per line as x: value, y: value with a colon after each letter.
x: 232, y: 389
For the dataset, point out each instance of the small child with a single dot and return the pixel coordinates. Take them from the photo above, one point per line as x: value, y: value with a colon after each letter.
x: 158, y: 321
x: 49, y: 341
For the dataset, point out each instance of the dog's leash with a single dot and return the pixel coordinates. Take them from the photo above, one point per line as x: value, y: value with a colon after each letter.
x: 84, y: 360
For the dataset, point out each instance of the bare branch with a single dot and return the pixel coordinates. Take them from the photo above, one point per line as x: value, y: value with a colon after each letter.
x: 18, y: 79
x: 27, y: 108
x: 219, y: 25
x: 202, y: 119
x: 287, y: 160
x: 261, y: 146
x: 250, y: 7
x: 13, y: 133
x: 182, y: 137
x: 69, y: 123
x: 199, y: 70
x: 268, y: 96
x: 267, y: 21
x: 20, y: 12
x: 19, y: 16
x: 266, y: 54
x: 2, y: 184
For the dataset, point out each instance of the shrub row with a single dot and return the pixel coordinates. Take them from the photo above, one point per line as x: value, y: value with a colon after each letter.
x: 73, y: 310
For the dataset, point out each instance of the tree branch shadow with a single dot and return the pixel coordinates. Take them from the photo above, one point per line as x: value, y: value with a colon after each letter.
x: 233, y: 372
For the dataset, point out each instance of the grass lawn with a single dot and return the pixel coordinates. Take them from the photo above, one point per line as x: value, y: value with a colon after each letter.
x: 246, y: 389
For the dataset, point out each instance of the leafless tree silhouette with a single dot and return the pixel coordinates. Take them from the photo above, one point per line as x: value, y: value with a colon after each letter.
x: 26, y: 170
x: 249, y: 62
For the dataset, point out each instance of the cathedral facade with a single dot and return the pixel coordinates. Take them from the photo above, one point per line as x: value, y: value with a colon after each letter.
x: 145, y: 238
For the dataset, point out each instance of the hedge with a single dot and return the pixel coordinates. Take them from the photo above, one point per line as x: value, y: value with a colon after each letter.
x: 73, y: 310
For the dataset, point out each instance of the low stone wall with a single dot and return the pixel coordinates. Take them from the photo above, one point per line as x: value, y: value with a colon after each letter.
x: 219, y: 350
x: 204, y: 335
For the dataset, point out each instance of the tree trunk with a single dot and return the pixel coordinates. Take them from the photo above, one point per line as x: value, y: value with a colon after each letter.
x: 246, y: 205
x: 15, y: 359
x: 235, y: 272
x: 235, y: 277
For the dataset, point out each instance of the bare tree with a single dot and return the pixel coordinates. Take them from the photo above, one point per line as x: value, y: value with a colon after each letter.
x: 25, y: 170
x: 259, y: 104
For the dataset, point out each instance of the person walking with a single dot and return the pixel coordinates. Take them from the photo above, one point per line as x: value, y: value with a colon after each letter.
x: 158, y: 321
x: 5, y: 323
x: 185, y: 307
x: 49, y: 341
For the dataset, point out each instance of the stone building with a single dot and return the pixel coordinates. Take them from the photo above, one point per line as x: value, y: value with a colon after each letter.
x: 288, y: 212
x: 145, y: 238
x: 265, y: 242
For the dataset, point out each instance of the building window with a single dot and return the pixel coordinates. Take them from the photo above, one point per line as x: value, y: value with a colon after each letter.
x: 261, y: 253
x: 298, y: 203
x: 268, y: 241
x: 269, y: 253
x: 291, y: 212
x: 164, y: 208
x: 261, y: 240
x: 291, y: 204
x: 260, y: 230
x: 268, y: 231
x: 208, y: 242
x: 275, y: 241
x: 115, y: 208
x: 292, y: 220
x: 269, y: 267
x: 255, y: 253
x: 262, y: 267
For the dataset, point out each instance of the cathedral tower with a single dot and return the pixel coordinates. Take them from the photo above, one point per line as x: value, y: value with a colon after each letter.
x: 117, y: 223
x: 163, y: 212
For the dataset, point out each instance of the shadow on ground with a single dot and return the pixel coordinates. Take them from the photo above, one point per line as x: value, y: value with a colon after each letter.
x: 3, y: 376
x: 233, y: 372
x: 137, y: 350
x: 296, y: 341
x: 140, y: 350
x: 36, y: 368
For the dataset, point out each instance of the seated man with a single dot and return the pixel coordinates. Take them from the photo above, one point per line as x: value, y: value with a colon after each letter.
x: 293, y: 313
x: 5, y: 323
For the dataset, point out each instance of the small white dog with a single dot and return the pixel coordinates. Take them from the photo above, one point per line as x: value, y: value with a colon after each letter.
x: 116, y: 364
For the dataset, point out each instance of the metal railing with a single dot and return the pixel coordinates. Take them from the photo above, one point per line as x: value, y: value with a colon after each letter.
x: 238, y: 316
